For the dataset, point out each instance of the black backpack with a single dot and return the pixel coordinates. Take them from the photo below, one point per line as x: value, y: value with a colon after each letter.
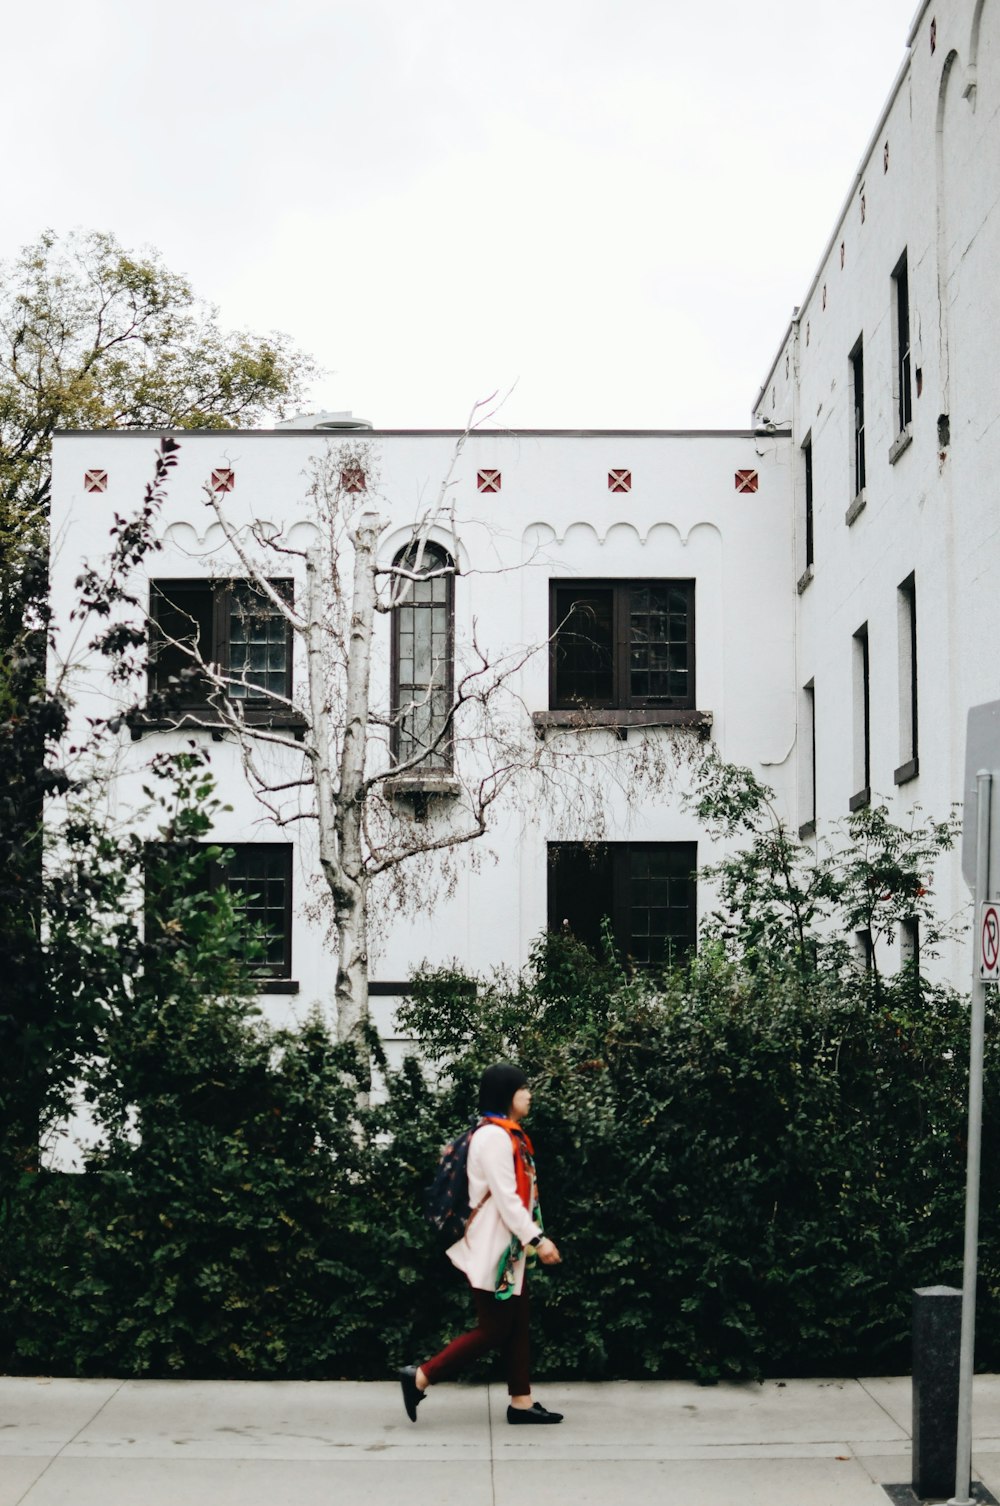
x: 446, y: 1201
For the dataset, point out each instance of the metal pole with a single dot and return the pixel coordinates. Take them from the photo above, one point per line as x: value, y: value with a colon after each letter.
x: 963, y: 1451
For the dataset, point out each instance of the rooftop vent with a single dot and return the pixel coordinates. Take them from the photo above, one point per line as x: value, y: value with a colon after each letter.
x: 330, y: 421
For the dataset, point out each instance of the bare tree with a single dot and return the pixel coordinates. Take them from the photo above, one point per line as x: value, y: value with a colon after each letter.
x: 386, y: 781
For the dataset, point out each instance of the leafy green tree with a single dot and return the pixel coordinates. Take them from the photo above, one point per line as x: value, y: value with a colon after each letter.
x: 93, y: 336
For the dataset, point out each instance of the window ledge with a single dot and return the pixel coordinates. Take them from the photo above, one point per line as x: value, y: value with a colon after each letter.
x: 856, y: 508
x: 861, y: 799
x: 902, y: 442
x: 209, y: 718
x: 807, y: 829
x: 582, y: 717
x: 907, y: 771
x: 416, y: 786
x: 804, y: 579
x: 277, y: 986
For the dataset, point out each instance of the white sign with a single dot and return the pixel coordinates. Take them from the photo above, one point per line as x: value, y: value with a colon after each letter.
x: 989, y: 942
x: 982, y: 751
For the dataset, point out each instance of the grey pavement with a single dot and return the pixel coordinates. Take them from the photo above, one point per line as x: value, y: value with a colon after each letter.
x: 334, y: 1443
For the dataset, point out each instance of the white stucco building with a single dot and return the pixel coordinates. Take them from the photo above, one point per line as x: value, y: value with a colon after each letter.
x: 676, y: 545
x: 834, y: 569
x: 888, y: 380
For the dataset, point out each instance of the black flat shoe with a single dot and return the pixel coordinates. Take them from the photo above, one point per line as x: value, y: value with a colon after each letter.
x: 412, y: 1394
x: 537, y: 1413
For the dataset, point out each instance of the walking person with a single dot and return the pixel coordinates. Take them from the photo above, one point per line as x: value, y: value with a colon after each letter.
x: 503, y: 1229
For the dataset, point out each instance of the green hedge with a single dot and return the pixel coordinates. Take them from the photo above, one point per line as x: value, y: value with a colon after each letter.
x: 746, y: 1177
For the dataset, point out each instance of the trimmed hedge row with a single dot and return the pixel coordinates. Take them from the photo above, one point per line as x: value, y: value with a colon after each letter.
x: 746, y: 1177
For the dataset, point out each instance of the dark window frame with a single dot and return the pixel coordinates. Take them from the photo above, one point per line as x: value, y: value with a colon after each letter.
x: 910, y: 767
x: 443, y: 755
x: 193, y: 700
x: 272, y: 977
x: 808, y: 826
x: 807, y: 455
x: 902, y: 353
x: 618, y: 856
x: 857, y: 359
x: 621, y: 698
x: 861, y: 647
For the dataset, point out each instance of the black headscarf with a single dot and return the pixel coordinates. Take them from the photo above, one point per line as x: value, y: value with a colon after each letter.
x: 498, y: 1086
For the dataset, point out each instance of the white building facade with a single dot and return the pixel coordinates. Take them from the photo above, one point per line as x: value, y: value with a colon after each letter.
x: 888, y: 380
x: 678, y: 545
x: 835, y: 568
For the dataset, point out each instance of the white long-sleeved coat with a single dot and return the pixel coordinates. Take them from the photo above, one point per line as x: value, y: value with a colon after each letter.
x: 491, y: 1166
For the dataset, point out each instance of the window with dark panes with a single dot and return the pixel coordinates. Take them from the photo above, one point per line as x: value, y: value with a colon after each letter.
x: 259, y: 876
x: 858, y: 394
x: 622, y: 644
x: 901, y: 335
x: 422, y: 659
x: 646, y: 892
x: 231, y: 624
x: 259, y: 658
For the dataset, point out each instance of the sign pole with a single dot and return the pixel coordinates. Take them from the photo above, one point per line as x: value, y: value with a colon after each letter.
x: 963, y: 1452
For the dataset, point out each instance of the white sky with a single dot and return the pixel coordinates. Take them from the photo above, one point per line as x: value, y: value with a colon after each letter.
x: 613, y: 205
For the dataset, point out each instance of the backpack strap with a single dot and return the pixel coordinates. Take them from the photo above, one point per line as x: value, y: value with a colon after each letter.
x: 482, y: 1201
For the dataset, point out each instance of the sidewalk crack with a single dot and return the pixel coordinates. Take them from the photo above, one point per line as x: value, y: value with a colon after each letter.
x: 60, y: 1451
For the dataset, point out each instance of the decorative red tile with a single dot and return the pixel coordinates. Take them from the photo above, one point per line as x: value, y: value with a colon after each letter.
x: 353, y: 479
x: 619, y: 481
x: 488, y: 481
x: 223, y: 479
x: 95, y: 481
x: 746, y: 481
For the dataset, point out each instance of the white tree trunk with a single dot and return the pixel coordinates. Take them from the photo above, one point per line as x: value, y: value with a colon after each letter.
x: 351, y: 897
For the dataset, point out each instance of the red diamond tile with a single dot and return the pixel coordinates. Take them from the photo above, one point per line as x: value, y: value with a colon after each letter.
x: 223, y: 479
x: 488, y: 481
x: 353, y: 480
x: 619, y: 481
x: 746, y: 481
x: 95, y: 481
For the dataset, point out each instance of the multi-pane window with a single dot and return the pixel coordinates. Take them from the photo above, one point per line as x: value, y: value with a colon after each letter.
x: 862, y: 719
x: 422, y: 658
x: 901, y: 332
x: 259, y: 875
x: 906, y: 599
x: 622, y: 644
x: 645, y: 893
x: 858, y: 398
x: 807, y: 781
x: 229, y: 624
x: 807, y: 456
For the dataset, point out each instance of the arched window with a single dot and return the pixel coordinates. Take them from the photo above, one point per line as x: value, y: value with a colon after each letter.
x: 423, y: 658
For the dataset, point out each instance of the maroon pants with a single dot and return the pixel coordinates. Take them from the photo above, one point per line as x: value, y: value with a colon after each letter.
x: 500, y: 1325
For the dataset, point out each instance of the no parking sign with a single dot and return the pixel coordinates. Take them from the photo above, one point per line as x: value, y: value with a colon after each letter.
x: 989, y: 942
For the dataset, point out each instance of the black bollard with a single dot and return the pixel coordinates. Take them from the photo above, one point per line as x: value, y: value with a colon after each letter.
x: 937, y: 1330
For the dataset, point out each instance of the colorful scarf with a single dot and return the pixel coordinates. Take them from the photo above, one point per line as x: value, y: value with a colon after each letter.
x: 527, y: 1191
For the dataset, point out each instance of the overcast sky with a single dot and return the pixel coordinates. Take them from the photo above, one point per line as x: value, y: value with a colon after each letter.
x: 613, y: 205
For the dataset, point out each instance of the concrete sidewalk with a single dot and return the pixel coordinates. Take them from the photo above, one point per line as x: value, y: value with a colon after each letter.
x: 201, y: 1443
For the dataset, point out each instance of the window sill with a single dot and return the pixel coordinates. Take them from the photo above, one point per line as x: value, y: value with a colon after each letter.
x: 902, y: 442
x: 861, y: 799
x: 804, y: 579
x: 807, y: 829
x: 907, y: 771
x: 277, y: 986
x: 856, y: 508
x: 579, y: 718
x: 208, y: 718
x: 416, y: 786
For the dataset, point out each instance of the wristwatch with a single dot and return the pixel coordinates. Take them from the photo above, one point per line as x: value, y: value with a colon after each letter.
x: 537, y: 1240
